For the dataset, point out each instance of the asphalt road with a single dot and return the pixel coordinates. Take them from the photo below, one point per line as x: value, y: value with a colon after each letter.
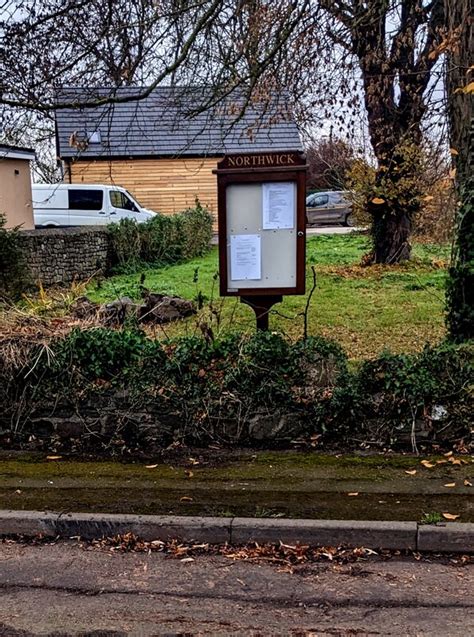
x: 68, y: 589
x: 312, y: 230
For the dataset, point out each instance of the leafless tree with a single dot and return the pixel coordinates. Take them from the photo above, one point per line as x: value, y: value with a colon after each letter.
x: 232, y: 49
x: 396, y: 45
x: 347, y: 60
x: 329, y: 162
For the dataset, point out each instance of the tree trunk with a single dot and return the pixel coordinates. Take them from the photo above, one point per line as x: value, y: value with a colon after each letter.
x: 396, y: 204
x: 391, y: 230
x: 460, y: 286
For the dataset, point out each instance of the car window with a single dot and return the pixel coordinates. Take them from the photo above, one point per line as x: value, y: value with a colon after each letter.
x: 119, y: 199
x: 133, y: 199
x: 85, y: 199
x: 320, y: 200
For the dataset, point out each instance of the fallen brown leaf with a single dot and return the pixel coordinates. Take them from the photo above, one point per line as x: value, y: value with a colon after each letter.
x: 188, y: 473
x: 185, y: 498
x: 427, y: 464
x: 411, y: 473
x: 354, y: 493
x: 450, y: 516
x: 53, y: 457
x: 467, y: 483
x: 450, y: 484
x: 151, y: 466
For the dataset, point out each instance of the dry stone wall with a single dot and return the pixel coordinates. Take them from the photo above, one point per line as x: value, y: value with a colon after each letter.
x: 57, y: 256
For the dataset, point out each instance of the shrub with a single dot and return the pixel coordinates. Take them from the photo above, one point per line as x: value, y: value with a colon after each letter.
x: 164, y: 239
x: 196, y: 230
x: 125, y: 244
x: 14, y: 275
x: 430, y: 391
x: 100, y: 353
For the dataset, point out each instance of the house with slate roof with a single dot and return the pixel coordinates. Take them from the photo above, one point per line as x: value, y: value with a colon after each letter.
x: 154, y: 149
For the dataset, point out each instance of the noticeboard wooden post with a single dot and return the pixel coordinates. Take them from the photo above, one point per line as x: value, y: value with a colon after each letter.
x: 262, y: 228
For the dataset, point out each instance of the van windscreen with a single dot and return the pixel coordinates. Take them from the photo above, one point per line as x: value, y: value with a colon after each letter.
x: 80, y: 199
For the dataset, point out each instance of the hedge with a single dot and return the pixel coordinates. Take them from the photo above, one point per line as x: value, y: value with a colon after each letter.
x: 108, y: 391
x: 164, y: 239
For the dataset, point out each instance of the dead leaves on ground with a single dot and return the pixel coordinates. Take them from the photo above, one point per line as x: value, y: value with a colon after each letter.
x: 428, y: 464
x: 284, y: 556
x: 378, y: 271
x: 450, y: 516
x: 449, y: 458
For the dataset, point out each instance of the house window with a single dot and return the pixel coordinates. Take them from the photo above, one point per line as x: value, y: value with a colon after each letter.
x: 95, y: 137
x: 85, y: 199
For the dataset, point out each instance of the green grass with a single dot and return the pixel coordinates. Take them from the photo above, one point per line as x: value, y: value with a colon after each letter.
x: 365, y: 309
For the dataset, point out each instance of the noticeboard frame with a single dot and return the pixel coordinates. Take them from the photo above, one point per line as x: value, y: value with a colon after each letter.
x: 253, y: 169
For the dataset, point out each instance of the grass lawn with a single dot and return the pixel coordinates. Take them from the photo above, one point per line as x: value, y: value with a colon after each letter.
x: 365, y: 309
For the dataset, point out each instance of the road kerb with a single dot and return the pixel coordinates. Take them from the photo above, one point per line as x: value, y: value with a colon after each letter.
x: 29, y: 523
x: 450, y: 537
x: 373, y: 534
x: 396, y: 535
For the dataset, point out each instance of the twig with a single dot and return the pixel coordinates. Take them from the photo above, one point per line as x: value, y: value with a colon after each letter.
x: 308, y: 301
x: 413, y: 433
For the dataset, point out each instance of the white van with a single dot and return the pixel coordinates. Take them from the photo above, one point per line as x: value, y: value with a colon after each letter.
x: 84, y: 205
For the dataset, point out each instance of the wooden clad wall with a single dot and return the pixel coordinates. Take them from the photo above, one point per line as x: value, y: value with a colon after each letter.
x: 163, y: 185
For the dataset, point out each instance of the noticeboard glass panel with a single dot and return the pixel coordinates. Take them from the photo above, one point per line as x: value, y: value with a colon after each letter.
x: 261, y: 235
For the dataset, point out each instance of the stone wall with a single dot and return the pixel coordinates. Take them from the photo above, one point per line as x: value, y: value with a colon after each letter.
x: 57, y: 256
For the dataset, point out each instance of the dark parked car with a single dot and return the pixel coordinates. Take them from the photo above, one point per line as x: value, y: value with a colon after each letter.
x: 329, y: 207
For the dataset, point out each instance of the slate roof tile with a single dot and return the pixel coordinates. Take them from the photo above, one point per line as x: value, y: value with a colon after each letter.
x: 159, y: 125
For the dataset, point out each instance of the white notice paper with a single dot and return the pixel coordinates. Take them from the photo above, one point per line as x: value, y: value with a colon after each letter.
x: 278, y: 206
x: 245, y: 257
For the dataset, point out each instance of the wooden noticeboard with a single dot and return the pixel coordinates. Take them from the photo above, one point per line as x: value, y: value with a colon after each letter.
x: 262, y: 221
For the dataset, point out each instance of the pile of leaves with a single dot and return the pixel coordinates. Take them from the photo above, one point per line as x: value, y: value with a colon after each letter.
x: 284, y: 556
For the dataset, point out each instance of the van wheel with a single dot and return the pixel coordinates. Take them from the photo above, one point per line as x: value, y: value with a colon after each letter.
x: 349, y: 220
